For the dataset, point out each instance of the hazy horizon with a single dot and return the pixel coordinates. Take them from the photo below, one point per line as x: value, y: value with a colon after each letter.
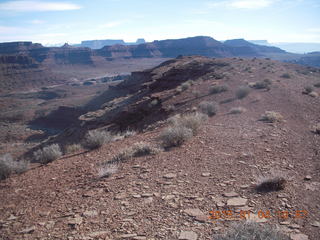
x: 56, y: 22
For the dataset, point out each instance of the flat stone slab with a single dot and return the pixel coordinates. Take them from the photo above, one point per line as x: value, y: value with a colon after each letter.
x: 193, y: 212
x: 237, y: 202
x: 230, y: 194
x: 188, y: 235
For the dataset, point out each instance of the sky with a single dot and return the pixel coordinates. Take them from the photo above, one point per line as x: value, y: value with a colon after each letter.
x: 71, y: 21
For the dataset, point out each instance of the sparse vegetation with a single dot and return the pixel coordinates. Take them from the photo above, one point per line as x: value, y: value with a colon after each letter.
x: 182, y: 128
x: 48, y: 154
x: 96, y: 138
x: 142, y: 149
x: 185, y: 86
x: 218, y: 89
x: 196, y: 94
x: 274, y: 182
x: 237, y: 110
x: 175, y: 136
x: 192, y: 121
x: 271, y: 117
x: 128, y: 133
x: 252, y: 231
x: 72, y: 148
x: 137, y: 150
x: 265, y: 84
x: 9, y: 166
x: 317, y: 85
x: 153, y: 103
x: 106, y: 170
x: 285, y: 75
x: 242, y: 92
x: 209, y: 108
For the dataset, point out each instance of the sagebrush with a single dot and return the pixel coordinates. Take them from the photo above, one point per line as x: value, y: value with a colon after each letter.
x: 96, y: 138
x: 9, y: 166
x: 209, y: 108
x: 242, y: 92
x: 48, y: 154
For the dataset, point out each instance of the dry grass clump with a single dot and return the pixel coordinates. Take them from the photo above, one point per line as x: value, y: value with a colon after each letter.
x: 128, y: 133
x: 237, y: 110
x: 242, y: 92
x: 137, y: 150
x: 185, y: 86
x: 106, y: 170
x: 182, y: 128
x: 96, y: 138
x: 9, y: 166
x: 72, y: 148
x: 48, y: 153
x: 209, y: 108
x: 271, y: 117
x: 142, y: 149
x: 218, y: 89
x: 265, y: 84
x: 252, y: 231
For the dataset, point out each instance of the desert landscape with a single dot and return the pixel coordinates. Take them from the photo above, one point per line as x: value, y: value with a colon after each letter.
x: 176, y: 138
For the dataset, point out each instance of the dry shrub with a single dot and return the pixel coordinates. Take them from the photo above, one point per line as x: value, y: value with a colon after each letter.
x: 142, y: 149
x: 95, y: 139
x: 270, y: 183
x: 237, y: 110
x: 242, y: 92
x: 271, y: 117
x: 48, y: 153
x: 192, y: 121
x: 106, y: 170
x: 185, y: 86
x: 182, y: 128
x: 72, y: 148
x: 9, y: 166
x: 175, y: 136
x: 218, y: 89
x: 209, y: 108
x: 317, y: 85
x: 252, y: 231
x: 265, y: 84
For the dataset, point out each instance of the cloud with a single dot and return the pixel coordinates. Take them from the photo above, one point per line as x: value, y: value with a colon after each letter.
x: 314, y: 30
x: 250, y: 4
x: 37, y: 6
x: 111, y: 24
x: 241, y: 4
x: 37, y: 21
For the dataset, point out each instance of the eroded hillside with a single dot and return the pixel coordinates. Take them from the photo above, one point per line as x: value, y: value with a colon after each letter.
x: 169, y: 195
